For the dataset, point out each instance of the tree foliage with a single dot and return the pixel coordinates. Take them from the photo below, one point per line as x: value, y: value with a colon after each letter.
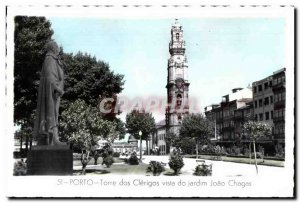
x: 140, y: 121
x: 197, y: 126
x: 255, y: 130
x: 83, y: 126
x: 89, y: 79
x: 30, y: 37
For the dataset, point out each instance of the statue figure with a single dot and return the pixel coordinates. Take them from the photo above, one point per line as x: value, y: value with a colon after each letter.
x: 50, y: 91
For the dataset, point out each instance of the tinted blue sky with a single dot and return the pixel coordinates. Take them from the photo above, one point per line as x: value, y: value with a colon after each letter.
x: 223, y: 53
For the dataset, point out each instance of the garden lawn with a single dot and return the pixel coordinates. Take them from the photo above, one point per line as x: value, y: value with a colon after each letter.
x: 119, y: 167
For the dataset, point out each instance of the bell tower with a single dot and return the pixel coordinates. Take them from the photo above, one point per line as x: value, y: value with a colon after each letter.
x: 177, y: 81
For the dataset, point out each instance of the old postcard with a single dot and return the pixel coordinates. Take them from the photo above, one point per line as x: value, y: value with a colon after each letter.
x: 142, y: 101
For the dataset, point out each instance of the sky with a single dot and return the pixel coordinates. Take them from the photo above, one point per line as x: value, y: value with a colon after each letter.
x: 222, y: 53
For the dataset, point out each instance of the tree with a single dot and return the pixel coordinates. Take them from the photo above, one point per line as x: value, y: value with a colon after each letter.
x: 185, y: 143
x: 30, y: 37
x: 198, y: 127
x: 83, y: 127
x: 89, y: 79
x: 140, y: 121
x: 255, y: 130
x: 171, y: 139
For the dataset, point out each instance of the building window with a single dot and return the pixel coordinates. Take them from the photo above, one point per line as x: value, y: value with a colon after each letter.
x: 254, y: 89
x: 271, y: 114
x: 255, y: 117
x: 270, y: 84
x: 271, y: 99
x: 261, y: 117
x: 275, y: 98
x: 259, y: 88
x: 267, y: 116
x: 267, y: 101
x: 255, y: 103
x: 260, y: 103
x: 266, y: 85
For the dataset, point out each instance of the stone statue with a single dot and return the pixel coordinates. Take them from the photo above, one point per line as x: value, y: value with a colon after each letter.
x: 49, y: 94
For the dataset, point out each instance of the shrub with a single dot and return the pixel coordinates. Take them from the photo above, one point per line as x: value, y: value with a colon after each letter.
x: 133, y: 159
x: 108, y: 161
x: 203, y: 170
x: 116, y: 154
x: 156, y: 168
x: 176, y: 163
x: 258, y: 155
x: 20, y: 168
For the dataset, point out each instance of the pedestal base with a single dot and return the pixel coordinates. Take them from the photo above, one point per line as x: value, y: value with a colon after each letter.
x: 50, y: 160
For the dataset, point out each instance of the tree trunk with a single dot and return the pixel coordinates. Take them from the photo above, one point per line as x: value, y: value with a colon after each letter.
x: 84, y: 161
x: 30, y: 143
x: 96, y: 160
x: 26, y: 143
x: 255, y: 157
x: 147, y: 146
x: 250, y: 152
x: 197, y: 146
x: 21, y: 143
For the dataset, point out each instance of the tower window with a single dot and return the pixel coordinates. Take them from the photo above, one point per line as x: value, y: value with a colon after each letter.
x: 177, y: 36
x: 179, y: 100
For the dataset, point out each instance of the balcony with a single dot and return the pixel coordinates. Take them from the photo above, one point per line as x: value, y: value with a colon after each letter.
x: 278, y: 119
x: 279, y: 104
x: 177, y: 48
x: 278, y: 86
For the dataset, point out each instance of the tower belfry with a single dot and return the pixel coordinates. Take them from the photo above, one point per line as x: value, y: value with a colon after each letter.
x: 177, y: 81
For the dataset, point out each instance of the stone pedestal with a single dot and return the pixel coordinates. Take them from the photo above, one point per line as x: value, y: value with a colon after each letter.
x: 50, y: 160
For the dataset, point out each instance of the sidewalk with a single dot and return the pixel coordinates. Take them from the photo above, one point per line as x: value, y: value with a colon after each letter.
x: 221, y: 168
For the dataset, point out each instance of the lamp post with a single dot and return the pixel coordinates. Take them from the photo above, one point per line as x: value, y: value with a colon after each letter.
x: 140, y: 134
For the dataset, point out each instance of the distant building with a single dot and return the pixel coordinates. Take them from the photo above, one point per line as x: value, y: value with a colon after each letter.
x: 123, y: 147
x: 210, y: 113
x: 159, y: 138
x: 263, y: 100
x: 241, y: 116
x: 224, y: 115
x: 279, y: 106
x: 269, y: 104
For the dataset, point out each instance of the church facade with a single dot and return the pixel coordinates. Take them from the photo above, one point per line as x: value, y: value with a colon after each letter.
x: 177, y: 91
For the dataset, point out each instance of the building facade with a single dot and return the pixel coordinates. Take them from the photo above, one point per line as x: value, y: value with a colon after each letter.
x: 279, y: 106
x: 241, y: 116
x: 226, y: 115
x: 263, y: 100
x: 266, y: 104
x: 269, y: 104
x: 177, y: 81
